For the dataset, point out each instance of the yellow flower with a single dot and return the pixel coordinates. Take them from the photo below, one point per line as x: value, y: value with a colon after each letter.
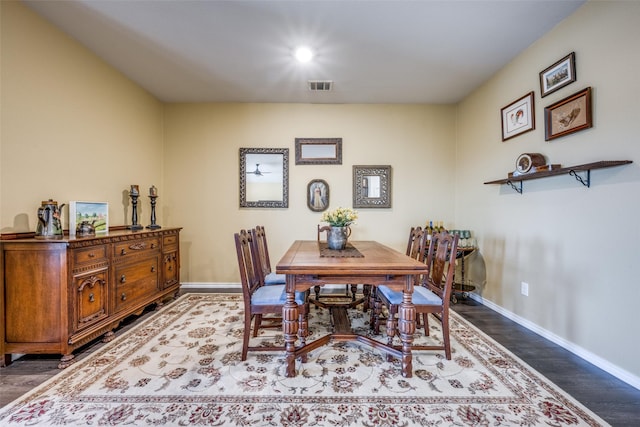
x: 340, y: 217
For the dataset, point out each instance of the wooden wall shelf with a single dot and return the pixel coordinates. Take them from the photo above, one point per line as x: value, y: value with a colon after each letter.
x: 516, y: 181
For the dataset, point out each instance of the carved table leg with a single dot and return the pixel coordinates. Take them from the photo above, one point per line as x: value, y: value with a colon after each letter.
x: 407, y: 327
x: 290, y: 327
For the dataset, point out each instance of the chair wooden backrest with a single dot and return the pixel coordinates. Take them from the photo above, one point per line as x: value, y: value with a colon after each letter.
x: 259, y: 238
x: 416, y: 246
x: 441, y: 261
x: 249, y: 274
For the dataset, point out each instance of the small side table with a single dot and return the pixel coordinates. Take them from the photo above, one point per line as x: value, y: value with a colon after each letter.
x: 461, y: 287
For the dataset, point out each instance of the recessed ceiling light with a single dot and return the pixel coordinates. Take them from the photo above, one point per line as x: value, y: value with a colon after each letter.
x: 304, y: 54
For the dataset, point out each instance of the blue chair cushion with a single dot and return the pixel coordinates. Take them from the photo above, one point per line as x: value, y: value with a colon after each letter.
x: 273, y: 295
x: 275, y: 279
x: 421, y: 296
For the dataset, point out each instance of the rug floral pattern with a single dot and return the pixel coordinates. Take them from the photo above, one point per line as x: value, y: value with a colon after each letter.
x: 182, y: 367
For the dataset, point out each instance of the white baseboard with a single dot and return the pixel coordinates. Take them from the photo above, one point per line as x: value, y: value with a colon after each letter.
x: 596, y: 360
x: 185, y: 286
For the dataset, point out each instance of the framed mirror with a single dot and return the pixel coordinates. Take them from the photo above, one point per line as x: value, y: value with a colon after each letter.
x: 372, y: 186
x: 264, y: 177
x: 318, y: 151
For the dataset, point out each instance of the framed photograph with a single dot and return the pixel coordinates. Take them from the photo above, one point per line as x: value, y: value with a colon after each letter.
x: 372, y: 186
x: 558, y: 75
x: 568, y: 115
x: 318, y: 195
x: 95, y: 213
x: 318, y: 151
x: 518, y: 117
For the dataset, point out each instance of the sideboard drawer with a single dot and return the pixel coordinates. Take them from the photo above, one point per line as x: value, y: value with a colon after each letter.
x: 90, y: 254
x: 136, y: 281
x: 135, y: 247
x: 170, y: 240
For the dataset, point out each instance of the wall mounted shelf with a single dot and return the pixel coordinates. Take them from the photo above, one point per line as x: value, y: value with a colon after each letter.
x: 582, y: 173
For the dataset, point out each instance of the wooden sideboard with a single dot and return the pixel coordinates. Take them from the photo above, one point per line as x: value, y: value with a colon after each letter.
x: 57, y: 295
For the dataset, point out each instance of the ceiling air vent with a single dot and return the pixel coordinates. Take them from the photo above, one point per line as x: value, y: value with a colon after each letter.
x: 320, y: 85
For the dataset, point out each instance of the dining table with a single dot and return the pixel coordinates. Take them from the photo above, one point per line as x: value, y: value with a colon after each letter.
x: 309, y: 263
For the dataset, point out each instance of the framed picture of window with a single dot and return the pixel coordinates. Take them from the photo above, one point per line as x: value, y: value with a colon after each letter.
x: 518, y: 117
x: 318, y: 195
x: 558, y: 75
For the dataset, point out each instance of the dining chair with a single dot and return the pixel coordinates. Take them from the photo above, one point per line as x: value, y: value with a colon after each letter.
x: 431, y: 295
x: 260, y: 300
x: 322, y: 237
x: 268, y: 277
x: 416, y: 249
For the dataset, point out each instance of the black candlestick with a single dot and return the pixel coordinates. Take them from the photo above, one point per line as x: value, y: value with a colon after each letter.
x: 153, y: 225
x: 134, y: 209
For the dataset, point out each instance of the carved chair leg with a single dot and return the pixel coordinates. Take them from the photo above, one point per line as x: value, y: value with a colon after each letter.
x: 245, y: 335
x: 377, y: 310
x: 391, y: 324
x: 445, y: 336
x: 354, y: 291
x: 425, y: 321
x: 257, y: 324
x: 366, y: 292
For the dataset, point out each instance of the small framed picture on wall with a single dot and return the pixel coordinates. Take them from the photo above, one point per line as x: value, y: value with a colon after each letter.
x: 518, y: 117
x: 318, y: 195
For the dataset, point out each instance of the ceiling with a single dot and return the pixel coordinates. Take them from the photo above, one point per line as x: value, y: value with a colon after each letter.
x: 398, y: 51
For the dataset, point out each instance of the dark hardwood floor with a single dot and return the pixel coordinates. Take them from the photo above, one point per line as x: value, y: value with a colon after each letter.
x: 615, y: 401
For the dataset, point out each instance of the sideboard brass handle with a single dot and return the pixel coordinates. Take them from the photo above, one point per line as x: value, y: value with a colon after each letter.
x: 91, y: 298
x: 92, y: 255
x: 153, y: 268
x: 123, y: 252
x: 123, y: 279
x: 170, y: 268
x: 123, y: 296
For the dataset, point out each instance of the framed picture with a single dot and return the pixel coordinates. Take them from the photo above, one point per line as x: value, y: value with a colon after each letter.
x: 95, y: 213
x: 372, y: 186
x: 568, y: 115
x: 518, y: 117
x: 318, y: 195
x: 558, y: 75
x: 318, y: 151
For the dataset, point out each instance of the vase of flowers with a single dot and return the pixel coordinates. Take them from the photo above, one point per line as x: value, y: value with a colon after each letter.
x: 339, y: 220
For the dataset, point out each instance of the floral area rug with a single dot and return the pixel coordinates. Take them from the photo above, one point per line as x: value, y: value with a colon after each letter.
x: 182, y: 367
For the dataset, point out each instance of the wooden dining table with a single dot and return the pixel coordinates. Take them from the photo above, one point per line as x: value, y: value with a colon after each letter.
x: 307, y: 264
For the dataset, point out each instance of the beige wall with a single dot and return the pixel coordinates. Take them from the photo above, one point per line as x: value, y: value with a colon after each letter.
x: 201, y: 179
x: 73, y: 128
x: 575, y: 246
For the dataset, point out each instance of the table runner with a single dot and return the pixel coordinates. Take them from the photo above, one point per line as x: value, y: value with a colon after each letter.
x: 348, y: 252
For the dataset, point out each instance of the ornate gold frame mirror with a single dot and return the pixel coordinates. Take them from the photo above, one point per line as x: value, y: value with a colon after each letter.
x: 264, y: 177
x: 371, y: 186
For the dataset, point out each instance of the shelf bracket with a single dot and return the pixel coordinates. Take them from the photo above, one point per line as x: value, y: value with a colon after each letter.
x: 584, y: 181
x: 517, y: 188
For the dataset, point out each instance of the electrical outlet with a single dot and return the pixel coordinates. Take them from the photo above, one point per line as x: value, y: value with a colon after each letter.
x: 524, y: 288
